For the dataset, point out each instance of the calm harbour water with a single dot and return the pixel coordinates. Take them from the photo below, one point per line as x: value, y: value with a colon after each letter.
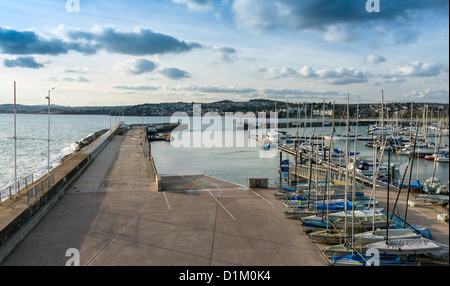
x: 233, y: 164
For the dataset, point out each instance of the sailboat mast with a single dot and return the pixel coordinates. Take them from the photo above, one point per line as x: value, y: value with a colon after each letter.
x: 15, y: 144
x: 354, y: 178
x: 329, y: 165
x: 410, y: 172
x: 346, y: 164
x: 387, y: 196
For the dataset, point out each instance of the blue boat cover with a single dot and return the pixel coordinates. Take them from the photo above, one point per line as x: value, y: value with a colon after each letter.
x: 416, y: 185
x: 335, y: 206
x: 398, y: 223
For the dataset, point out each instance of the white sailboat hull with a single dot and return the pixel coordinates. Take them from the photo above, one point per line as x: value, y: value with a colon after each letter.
x: 380, y: 235
x: 405, y: 246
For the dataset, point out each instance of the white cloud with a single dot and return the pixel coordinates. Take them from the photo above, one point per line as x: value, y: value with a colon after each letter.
x: 427, y: 95
x: 174, y: 73
x: 283, y: 72
x: 307, y: 72
x: 197, y: 5
x: 138, y: 66
x: 375, y: 59
x: 225, y: 54
x: 418, y: 69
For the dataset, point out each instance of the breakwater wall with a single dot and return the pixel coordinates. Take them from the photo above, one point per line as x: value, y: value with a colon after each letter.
x: 19, y: 215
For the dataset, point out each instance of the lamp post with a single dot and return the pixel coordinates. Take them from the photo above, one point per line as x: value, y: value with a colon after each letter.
x: 142, y: 126
x: 110, y: 127
x: 48, y: 142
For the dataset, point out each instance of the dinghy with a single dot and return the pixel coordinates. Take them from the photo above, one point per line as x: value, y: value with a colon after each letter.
x: 409, y: 247
x: 380, y: 235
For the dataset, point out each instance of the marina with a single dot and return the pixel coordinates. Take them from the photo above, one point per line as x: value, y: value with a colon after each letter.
x: 314, y: 185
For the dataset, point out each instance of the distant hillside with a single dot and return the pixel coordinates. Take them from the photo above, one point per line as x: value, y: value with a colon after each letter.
x: 392, y: 110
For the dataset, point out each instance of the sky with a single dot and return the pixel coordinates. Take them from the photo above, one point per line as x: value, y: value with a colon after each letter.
x: 114, y: 52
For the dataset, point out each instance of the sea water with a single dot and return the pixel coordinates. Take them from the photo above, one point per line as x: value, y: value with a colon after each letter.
x: 236, y: 163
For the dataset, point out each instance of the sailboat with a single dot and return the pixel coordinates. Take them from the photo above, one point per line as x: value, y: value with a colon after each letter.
x: 433, y: 186
x: 409, y: 247
x: 329, y: 236
x: 360, y: 259
x: 380, y: 235
x: 443, y: 158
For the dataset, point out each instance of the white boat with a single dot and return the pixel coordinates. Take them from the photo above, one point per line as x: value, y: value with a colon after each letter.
x: 380, y: 235
x: 433, y: 186
x: 366, y: 168
x: 340, y: 137
x: 266, y: 141
x: 330, y: 236
x: 341, y: 214
x: 407, y: 246
x: 443, y: 158
x: 377, y: 129
x: 298, y: 213
x: 404, y: 151
x: 362, y: 219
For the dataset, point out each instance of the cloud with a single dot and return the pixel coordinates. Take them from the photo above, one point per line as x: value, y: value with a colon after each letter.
x: 76, y: 79
x: 418, y: 69
x: 283, y: 72
x: 217, y: 89
x: 338, y: 76
x: 136, y: 87
x: 307, y: 72
x: 225, y: 54
x: 291, y: 93
x: 338, y: 34
x: 427, y: 95
x: 336, y: 20
x: 23, y: 62
x: 342, y: 76
x: 28, y: 42
x: 375, y: 59
x: 139, y: 42
x: 174, y: 73
x: 197, y: 5
x: 138, y: 66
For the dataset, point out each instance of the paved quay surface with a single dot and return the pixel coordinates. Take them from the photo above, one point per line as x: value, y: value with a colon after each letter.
x: 114, y: 215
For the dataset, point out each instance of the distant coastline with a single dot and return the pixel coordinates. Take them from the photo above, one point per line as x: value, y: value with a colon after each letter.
x: 372, y: 110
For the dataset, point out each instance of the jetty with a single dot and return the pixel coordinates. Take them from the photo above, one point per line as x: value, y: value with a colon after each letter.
x: 116, y: 213
x: 108, y: 205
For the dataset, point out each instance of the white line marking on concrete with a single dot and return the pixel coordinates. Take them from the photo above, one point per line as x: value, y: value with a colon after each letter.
x: 167, y: 201
x: 261, y: 197
x: 222, y: 205
x: 123, y: 227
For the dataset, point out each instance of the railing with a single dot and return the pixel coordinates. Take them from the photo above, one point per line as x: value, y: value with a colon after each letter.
x: 44, y: 184
x: 22, y: 184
